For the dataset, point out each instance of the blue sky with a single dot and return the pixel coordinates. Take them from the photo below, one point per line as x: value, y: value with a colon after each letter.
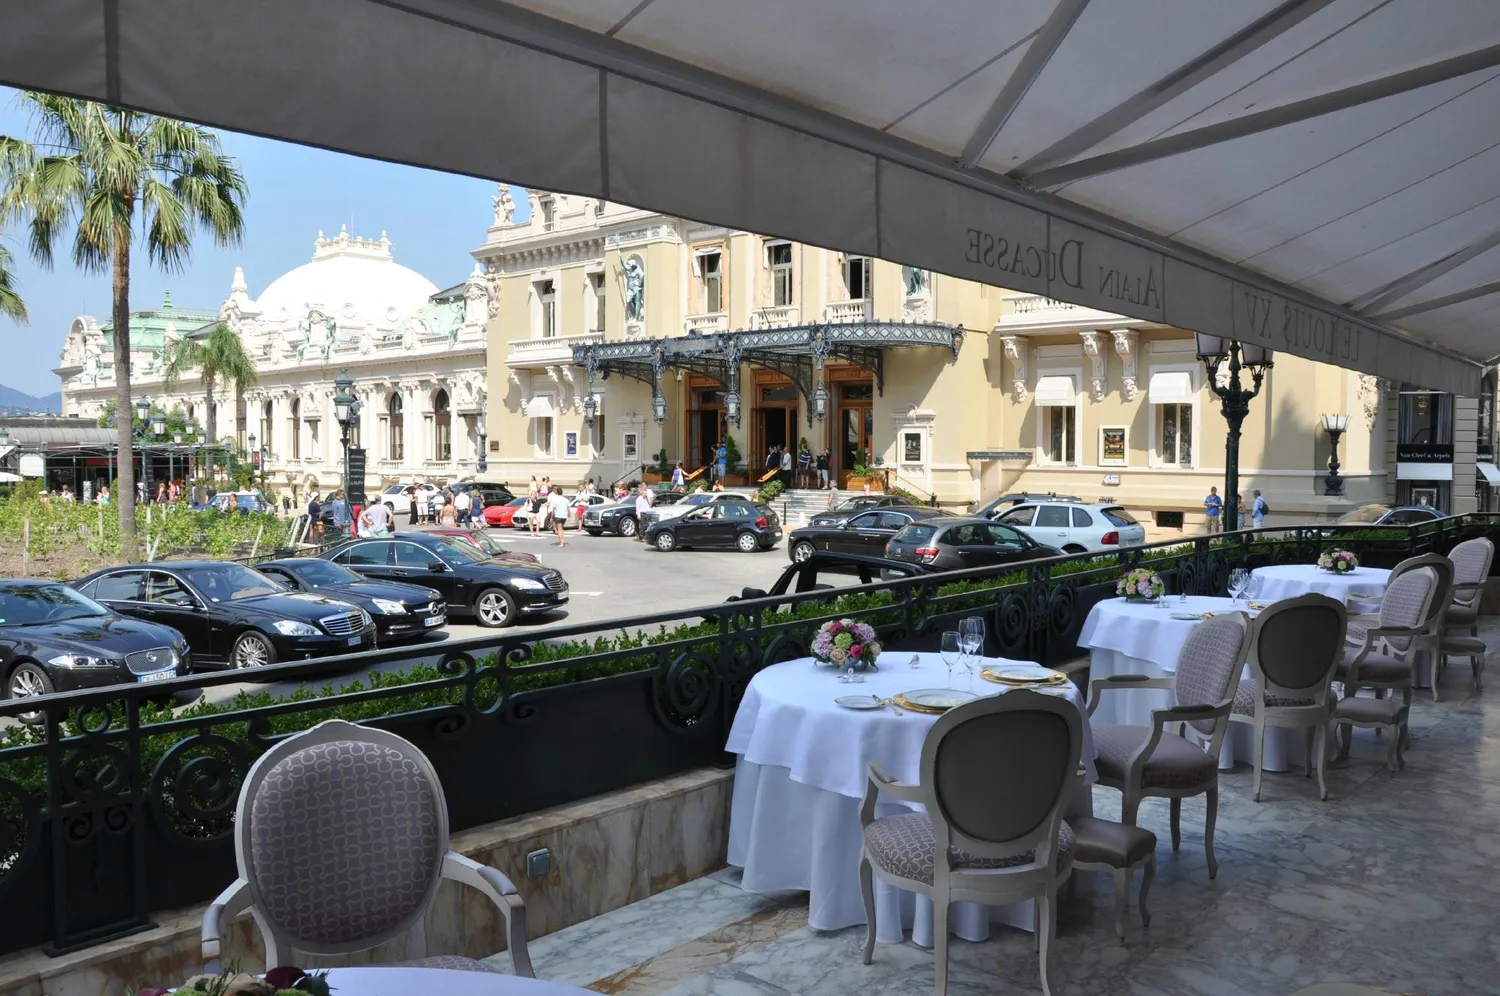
x: 433, y: 220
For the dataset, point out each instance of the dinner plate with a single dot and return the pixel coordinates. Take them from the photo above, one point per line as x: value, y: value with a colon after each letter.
x: 934, y: 699
x: 1188, y: 616
x: 1024, y: 675
x: 859, y: 702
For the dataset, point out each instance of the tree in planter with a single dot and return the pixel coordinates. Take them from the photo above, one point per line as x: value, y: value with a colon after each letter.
x: 109, y: 167
x: 220, y: 358
x: 663, y: 467
x: 732, y: 456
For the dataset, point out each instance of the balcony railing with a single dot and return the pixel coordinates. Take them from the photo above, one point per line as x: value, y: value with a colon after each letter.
x: 859, y: 310
x: 715, y: 321
x: 780, y: 317
x: 115, y: 810
x: 544, y: 352
x: 1032, y: 303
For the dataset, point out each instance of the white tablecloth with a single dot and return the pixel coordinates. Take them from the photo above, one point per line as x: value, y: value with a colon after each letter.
x: 794, y: 821
x: 1135, y: 638
x: 1290, y: 580
x: 401, y: 981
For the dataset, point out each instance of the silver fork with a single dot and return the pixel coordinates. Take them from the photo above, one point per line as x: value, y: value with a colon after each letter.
x: 894, y: 707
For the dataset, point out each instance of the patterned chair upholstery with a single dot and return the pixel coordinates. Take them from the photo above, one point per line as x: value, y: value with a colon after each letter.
x: 1295, y: 646
x: 988, y: 833
x: 1472, y: 560
x: 342, y: 843
x: 1143, y: 761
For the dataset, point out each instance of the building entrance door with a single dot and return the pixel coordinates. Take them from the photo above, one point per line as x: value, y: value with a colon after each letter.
x: 775, y: 422
x: 705, y: 426
x: 856, y: 428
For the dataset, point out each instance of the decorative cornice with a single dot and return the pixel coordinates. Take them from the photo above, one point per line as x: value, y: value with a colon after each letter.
x: 1015, y: 352
x: 1098, y: 358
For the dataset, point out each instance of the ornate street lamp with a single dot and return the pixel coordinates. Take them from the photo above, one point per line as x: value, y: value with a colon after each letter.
x: 659, y: 408
x: 158, y: 424
x: 732, y: 407
x: 1335, y: 426
x: 254, y: 455
x: 345, y: 406
x: 590, y: 411
x: 483, y: 463
x: 820, y: 402
x: 1234, y: 400
x: 142, y: 409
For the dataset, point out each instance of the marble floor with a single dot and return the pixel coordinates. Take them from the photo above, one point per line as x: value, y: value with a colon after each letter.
x: 1391, y: 883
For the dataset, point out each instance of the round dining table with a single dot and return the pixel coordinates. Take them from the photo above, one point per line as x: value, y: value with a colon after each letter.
x: 402, y: 980
x: 1126, y: 637
x: 1290, y: 580
x: 801, y: 775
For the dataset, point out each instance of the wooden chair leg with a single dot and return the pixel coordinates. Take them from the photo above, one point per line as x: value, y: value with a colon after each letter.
x: 1122, y: 896
x: 1208, y: 828
x: 1176, y: 807
x: 1148, y: 873
x: 1046, y: 923
x: 1320, y: 748
x: 1257, y: 758
x: 867, y: 891
x: 940, y: 944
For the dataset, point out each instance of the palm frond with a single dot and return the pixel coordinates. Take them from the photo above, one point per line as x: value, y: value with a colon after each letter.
x: 11, y: 305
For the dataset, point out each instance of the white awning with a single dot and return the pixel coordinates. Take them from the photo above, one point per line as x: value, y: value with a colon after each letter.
x: 1490, y: 473
x: 540, y: 407
x: 1170, y: 387
x: 1317, y: 176
x: 1055, y: 391
x: 698, y: 255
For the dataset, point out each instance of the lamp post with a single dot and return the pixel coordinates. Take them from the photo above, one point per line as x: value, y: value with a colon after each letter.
x: 254, y: 457
x: 343, y: 411
x: 1335, y: 426
x: 1234, y: 400
x: 142, y: 428
x: 590, y: 413
x: 659, y: 408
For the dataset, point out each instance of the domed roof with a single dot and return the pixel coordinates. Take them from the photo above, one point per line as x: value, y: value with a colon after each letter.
x: 349, y: 278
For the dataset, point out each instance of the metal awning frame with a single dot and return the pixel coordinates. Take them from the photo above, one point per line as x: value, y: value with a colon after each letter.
x: 799, y: 351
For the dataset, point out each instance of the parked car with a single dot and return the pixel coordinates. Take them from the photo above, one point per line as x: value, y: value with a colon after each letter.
x: 1388, y: 515
x: 399, y: 496
x: 996, y: 505
x: 521, y: 517
x: 490, y: 494
x: 232, y: 616
x: 55, y: 639
x: 245, y: 502
x: 739, y: 525
x: 1074, y: 527
x: 490, y: 546
x: 829, y: 571
x: 687, y: 503
x: 954, y: 544
x: 619, y: 517
x: 500, y: 515
x: 864, y: 532
x: 859, y: 503
x: 400, y: 611
x: 492, y: 592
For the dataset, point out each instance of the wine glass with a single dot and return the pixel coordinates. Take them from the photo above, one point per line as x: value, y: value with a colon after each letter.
x: 950, y: 648
x: 972, y: 630
x: 1237, y: 581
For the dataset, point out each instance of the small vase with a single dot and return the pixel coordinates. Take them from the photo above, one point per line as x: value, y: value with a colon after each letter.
x: 847, y: 665
x: 1142, y: 598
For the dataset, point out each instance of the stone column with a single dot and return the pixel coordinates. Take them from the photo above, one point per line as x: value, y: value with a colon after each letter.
x: 412, y: 426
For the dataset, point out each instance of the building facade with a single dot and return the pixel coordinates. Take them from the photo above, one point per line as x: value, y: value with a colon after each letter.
x: 416, y: 354
x: 1033, y: 395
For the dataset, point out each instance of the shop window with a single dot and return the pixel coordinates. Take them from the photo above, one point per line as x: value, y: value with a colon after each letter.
x: 857, y: 277
x: 1175, y: 443
x: 1061, y: 430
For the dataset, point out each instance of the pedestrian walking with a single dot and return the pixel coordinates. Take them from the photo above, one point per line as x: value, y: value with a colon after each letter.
x: 421, y: 503
x: 461, y: 505
x: 721, y: 460
x: 1213, y: 506
x: 804, y: 465
x: 822, y: 465
x: 375, y: 520
x: 679, y: 477
x: 642, y: 506
x: 315, y: 517
x: 557, y: 513
x: 1258, y: 510
x: 786, y: 467
x: 339, y: 512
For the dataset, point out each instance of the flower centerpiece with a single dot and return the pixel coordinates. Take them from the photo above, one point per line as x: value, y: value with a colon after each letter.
x: 1338, y: 561
x: 282, y: 981
x: 1141, y: 585
x: 845, y: 643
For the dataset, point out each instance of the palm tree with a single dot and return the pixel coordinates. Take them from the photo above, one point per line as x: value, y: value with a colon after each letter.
x: 107, y: 168
x: 11, y: 305
x: 220, y: 358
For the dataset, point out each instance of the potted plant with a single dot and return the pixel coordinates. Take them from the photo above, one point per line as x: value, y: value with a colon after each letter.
x: 862, y: 476
x: 1140, y: 585
x: 1336, y: 561
x: 845, y: 643
x: 734, y: 470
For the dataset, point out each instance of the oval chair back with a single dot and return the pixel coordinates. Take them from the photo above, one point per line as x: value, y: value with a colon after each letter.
x: 1208, y: 668
x: 1472, y: 560
x: 1296, y: 646
x: 1416, y: 606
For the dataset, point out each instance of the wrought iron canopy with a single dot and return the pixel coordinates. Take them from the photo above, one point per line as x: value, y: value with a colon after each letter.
x: 798, y: 351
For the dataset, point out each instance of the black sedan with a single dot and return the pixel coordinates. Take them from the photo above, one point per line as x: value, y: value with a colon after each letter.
x: 738, y: 525
x: 493, y: 592
x: 859, y: 503
x: 231, y: 615
x: 53, y: 639
x: 865, y: 533
x: 954, y: 544
x: 619, y: 517
x: 400, y: 611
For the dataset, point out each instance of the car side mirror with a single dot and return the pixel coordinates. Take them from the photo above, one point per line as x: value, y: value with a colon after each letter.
x: 437, y: 567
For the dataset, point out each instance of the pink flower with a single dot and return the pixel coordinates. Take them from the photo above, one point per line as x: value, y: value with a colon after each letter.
x: 856, y: 650
x: 835, y: 628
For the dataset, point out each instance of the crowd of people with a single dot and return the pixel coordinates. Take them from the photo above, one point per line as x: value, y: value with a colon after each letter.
x: 805, y: 469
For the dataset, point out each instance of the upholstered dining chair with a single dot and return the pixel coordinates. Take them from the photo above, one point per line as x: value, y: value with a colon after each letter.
x: 341, y: 837
x: 995, y: 777
x: 1152, y: 761
x: 1472, y: 560
x: 1410, y: 619
x: 1364, y: 610
x: 1295, y: 646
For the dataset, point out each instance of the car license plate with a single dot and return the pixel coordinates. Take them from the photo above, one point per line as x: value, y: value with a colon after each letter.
x: 170, y: 672
x: 355, y: 641
x: 434, y: 620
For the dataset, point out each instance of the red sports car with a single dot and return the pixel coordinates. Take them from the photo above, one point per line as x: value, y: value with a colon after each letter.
x: 501, y: 515
x: 488, y: 545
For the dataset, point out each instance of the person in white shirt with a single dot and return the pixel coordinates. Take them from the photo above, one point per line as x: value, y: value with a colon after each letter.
x: 462, y: 502
x: 557, y: 511
x: 423, y: 501
x: 642, y: 506
x: 375, y: 520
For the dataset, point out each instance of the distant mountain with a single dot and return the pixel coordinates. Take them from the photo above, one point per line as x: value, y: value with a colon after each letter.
x: 14, y: 402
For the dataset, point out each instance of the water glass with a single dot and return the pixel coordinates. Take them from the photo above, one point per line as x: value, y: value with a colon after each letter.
x: 950, y: 648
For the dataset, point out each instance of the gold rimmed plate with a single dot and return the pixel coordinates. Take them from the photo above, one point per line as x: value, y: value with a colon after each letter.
x: 933, y: 700
x: 1023, y: 675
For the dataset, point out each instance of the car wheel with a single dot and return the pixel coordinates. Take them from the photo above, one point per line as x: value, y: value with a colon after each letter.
x: 802, y: 552
x: 666, y: 542
x: 627, y: 526
x: 595, y: 532
x: 495, y: 607
x: 746, y: 543
x: 27, y: 681
x: 252, y: 649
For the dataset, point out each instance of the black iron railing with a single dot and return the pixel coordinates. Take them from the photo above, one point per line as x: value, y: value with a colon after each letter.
x: 112, y: 807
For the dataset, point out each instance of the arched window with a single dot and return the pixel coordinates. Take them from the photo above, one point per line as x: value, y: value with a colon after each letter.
x: 296, y: 428
x: 442, y: 427
x: 395, y: 429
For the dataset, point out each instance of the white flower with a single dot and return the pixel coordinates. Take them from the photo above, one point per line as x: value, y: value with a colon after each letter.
x: 838, y: 655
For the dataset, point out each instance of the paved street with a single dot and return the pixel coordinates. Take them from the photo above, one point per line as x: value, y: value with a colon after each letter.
x: 610, y: 578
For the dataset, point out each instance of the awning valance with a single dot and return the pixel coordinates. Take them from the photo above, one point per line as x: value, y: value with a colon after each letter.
x: 1490, y: 473
x: 1170, y: 387
x: 1056, y: 391
x: 540, y: 407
